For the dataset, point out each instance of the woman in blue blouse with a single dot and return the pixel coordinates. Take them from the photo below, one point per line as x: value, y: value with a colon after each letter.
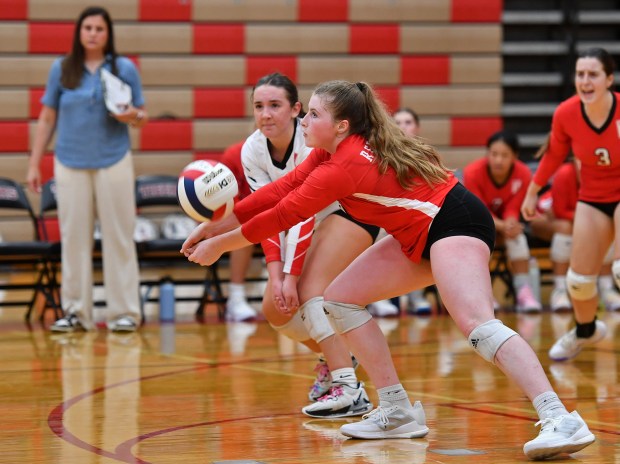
x: 93, y: 170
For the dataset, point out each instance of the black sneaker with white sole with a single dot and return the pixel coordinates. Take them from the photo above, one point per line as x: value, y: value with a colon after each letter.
x: 323, y: 381
x: 69, y: 323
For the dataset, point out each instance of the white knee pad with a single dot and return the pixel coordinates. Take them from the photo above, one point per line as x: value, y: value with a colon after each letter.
x: 615, y: 270
x: 314, y: 318
x: 294, y: 329
x: 488, y: 338
x: 517, y: 248
x: 581, y: 287
x: 345, y: 317
x: 609, y: 256
x: 561, y: 245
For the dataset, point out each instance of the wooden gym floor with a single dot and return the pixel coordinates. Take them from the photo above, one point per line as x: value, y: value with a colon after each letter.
x: 231, y: 393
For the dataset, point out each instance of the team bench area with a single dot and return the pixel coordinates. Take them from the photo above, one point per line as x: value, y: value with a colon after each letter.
x: 30, y: 252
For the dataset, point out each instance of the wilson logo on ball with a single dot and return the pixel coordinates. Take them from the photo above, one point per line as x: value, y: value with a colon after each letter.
x: 207, y: 190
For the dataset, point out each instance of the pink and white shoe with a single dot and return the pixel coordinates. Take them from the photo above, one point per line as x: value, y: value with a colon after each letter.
x: 526, y: 301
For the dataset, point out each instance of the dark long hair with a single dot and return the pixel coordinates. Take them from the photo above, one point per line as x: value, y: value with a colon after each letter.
x: 282, y: 82
x: 603, y: 56
x: 509, y: 138
x: 73, y: 64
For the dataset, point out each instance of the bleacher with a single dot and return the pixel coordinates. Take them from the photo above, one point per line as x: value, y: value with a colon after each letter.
x: 198, y: 61
x: 541, y: 39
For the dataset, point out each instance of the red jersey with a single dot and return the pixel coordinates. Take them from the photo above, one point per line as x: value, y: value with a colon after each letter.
x: 352, y: 177
x: 564, y: 192
x: 545, y: 202
x: 504, y: 201
x: 597, y: 149
x: 232, y: 159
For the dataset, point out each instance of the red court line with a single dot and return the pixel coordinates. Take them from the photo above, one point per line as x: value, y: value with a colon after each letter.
x: 123, y: 453
x: 125, y: 448
x: 56, y: 417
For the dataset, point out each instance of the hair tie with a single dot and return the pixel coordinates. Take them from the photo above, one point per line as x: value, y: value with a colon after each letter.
x: 360, y: 86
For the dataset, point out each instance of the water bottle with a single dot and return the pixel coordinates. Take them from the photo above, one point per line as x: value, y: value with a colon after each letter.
x: 167, y: 338
x: 535, y: 277
x: 166, y: 301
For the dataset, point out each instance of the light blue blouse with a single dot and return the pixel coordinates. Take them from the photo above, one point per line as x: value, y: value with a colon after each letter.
x: 87, y: 137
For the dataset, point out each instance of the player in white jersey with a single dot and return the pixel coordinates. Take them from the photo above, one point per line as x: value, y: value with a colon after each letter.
x: 301, y: 265
x: 261, y: 169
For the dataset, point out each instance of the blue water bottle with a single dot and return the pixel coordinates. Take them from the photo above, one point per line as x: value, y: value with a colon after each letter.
x: 166, y: 301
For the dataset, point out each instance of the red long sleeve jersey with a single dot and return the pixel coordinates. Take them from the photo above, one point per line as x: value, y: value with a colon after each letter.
x: 598, y: 150
x: 232, y: 159
x: 352, y: 177
x: 504, y: 200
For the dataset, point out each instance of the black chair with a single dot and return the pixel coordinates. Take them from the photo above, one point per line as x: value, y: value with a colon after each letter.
x: 47, y: 216
x: 33, y: 253
x: 48, y: 225
x: 159, y: 194
x: 500, y: 269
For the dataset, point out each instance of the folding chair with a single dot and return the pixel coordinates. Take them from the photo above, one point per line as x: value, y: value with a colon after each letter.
x: 500, y: 269
x: 34, y: 252
x: 160, y: 193
x: 48, y: 225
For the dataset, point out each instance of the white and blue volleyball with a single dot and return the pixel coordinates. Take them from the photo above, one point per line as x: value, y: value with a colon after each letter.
x: 207, y: 190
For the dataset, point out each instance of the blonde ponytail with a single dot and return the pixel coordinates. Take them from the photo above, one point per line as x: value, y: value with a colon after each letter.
x: 368, y: 117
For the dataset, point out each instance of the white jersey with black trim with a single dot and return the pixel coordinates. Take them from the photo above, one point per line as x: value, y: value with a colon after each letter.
x: 260, y: 170
x: 258, y: 165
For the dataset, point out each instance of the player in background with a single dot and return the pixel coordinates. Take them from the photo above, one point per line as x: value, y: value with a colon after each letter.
x: 500, y: 180
x: 237, y: 306
x: 588, y: 124
x: 555, y: 225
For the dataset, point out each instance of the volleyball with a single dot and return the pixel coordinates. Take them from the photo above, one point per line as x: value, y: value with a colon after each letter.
x: 206, y: 190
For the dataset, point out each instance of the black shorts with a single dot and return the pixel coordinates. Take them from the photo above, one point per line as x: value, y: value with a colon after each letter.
x: 606, y: 208
x: 462, y: 213
x: 371, y: 229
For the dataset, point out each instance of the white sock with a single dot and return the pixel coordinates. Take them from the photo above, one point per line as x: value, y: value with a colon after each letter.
x: 236, y: 291
x: 548, y: 404
x: 344, y: 376
x: 417, y: 294
x: 520, y: 280
x: 605, y: 282
x: 394, y: 395
x: 559, y: 281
